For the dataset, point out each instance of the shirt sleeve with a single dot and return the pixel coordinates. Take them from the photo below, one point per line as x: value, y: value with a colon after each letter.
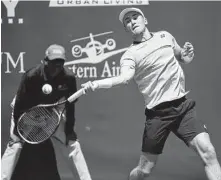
x: 173, y: 41
x: 128, y: 60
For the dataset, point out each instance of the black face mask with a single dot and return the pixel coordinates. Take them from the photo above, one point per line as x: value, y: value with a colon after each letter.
x: 54, y: 67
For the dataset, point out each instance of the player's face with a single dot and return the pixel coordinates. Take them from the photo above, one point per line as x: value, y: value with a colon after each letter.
x: 134, y: 22
x: 54, y: 67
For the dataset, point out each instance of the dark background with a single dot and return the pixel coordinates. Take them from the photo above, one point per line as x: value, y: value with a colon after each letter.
x: 116, y: 116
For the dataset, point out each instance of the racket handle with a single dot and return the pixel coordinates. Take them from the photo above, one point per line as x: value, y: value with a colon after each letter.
x: 76, y: 95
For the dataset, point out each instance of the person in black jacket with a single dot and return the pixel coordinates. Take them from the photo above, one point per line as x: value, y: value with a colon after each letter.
x: 47, y: 83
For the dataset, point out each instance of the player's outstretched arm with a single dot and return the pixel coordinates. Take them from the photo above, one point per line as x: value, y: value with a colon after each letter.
x: 127, y: 73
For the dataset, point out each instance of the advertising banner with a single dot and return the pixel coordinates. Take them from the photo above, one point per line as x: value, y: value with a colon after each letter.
x: 110, y: 122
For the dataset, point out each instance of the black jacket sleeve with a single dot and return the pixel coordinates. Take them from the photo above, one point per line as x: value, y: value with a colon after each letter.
x: 70, y: 110
x: 22, y: 101
x: 22, y: 98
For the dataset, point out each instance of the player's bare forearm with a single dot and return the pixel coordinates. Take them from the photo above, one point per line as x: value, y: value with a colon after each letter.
x: 111, y: 82
x: 125, y: 76
x: 104, y: 83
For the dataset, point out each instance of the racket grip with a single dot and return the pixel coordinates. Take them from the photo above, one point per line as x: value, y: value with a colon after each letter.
x: 76, y: 95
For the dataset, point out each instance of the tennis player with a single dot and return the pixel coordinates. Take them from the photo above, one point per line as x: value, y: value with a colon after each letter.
x: 153, y: 61
x: 47, y: 83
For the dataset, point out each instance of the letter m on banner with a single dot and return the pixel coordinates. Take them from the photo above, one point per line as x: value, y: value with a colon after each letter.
x: 14, y: 64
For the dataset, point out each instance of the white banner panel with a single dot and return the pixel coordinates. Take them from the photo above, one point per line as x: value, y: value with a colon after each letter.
x: 71, y: 3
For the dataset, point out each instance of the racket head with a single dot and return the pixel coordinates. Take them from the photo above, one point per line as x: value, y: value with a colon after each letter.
x: 38, y: 124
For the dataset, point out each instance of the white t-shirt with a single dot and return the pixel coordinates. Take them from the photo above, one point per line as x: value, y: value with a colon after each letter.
x: 158, y: 74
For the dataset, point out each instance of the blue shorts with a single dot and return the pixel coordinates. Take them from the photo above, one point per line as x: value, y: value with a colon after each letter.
x: 178, y: 116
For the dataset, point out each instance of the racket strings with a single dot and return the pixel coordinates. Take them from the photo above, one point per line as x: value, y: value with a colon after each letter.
x: 38, y: 124
x: 32, y: 123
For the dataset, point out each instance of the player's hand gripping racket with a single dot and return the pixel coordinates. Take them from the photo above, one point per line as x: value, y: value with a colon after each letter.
x: 40, y: 122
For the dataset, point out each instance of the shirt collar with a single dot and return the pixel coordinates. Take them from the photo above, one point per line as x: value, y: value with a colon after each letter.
x: 144, y: 40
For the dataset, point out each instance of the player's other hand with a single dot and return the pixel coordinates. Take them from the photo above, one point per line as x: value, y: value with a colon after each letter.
x: 187, y: 50
x: 90, y: 86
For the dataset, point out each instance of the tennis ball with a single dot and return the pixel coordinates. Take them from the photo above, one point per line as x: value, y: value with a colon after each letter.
x: 47, y: 89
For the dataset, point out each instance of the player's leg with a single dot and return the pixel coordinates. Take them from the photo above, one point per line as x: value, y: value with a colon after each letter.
x: 145, y: 166
x: 11, y: 154
x: 193, y: 133
x: 205, y: 149
x: 155, y: 134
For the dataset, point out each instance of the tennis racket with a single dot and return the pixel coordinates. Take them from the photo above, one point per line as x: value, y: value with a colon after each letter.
x: 40, y: 122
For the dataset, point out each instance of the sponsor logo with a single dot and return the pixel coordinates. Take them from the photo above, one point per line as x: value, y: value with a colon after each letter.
x: 62, y: 87
x: 11, y: 17
x: 162, y: 35
x: 95, y: 52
